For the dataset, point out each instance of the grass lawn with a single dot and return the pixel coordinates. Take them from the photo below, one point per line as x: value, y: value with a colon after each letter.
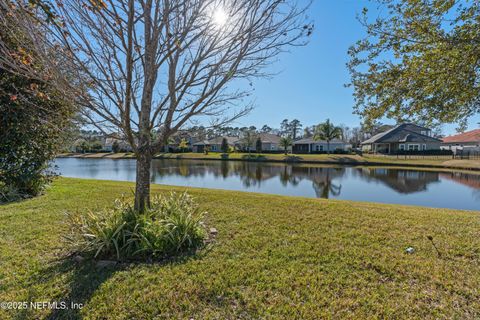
x: 428, y: 161
x: 275, y: 257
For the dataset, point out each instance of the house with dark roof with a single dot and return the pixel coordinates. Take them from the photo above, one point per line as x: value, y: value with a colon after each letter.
x: 403, y: 137
x: 214, y: 145
x: 309, y: 145
x: 469, y: 140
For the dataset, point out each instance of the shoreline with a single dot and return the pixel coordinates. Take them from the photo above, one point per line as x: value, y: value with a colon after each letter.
x: 332, y: 159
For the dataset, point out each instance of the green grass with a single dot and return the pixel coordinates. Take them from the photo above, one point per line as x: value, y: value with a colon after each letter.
x: 275, y: 257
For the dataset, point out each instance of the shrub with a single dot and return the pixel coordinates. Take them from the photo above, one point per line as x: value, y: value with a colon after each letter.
x: 9, y: 193
x: 258, y: 145
x: 173, y: 224
x: 224, y: 147
x: 115, y: 147
x: 96, y: 146
x: 33, y: 119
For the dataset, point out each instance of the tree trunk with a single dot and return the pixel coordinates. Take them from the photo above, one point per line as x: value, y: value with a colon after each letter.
x: 142, y: 187
x: 328, y: 146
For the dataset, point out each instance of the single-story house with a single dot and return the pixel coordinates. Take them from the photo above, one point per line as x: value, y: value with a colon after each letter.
x: 308, y: 145
x: 123, y: 145
x: 214, y: 145
x: 175, y: 141
x: 403, y: 137
x: 469, y: 140
x: 270, y: 142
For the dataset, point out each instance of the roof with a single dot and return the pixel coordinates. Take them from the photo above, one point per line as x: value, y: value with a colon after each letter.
x: 111, y: 140
x: 269, y: 138
x: 378, y: 136
x: 310, y: 140
x: 401, y: 133
x: 469, y: 136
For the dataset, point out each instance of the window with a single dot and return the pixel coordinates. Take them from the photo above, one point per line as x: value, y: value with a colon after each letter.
x: 317, y: 148
x: 424, y: 147
x: 214, y: 148
x: 426, y: 132
x: 413, y: 147
x: 413, y: 174
x: 402, y: 147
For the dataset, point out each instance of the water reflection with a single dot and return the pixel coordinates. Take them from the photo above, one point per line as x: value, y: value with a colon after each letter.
x: 391, y: 185
x: 469, y: 180
x: 323, y: 184
x: 402, y: 181
x: 326, y: 181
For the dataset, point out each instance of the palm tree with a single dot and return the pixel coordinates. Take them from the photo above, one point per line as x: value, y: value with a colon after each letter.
x: 285, y: 143
x: 324, y: 187
x: 327, y: 131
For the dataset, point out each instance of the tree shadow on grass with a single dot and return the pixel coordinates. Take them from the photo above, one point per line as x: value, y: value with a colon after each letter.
x: 293, y: 158
x: 108, y: 154
x: 253, y: 157
x: 4, y: 203
x: 84, y: 279
x: 16, y: 199
x: 346, y: 160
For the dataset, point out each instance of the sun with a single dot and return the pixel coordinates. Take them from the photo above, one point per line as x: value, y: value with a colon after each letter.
x: 219, y: 17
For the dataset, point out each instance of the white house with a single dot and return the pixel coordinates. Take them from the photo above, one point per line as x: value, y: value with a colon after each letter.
x: 308, y: 145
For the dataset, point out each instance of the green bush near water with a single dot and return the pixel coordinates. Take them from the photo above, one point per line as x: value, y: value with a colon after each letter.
x: 173, y: 224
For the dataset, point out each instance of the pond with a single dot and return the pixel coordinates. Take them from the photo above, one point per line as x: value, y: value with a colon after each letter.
x: 455, y: 190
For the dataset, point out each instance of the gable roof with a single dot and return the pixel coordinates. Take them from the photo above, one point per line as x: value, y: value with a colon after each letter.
x: 400, y: 133
x: 469, y: 136
x: 269, y: 138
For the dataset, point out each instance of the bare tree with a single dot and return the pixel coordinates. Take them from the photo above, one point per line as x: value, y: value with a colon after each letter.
x: 346, y: 132
x: 152, y: 66
x: 248, y: 140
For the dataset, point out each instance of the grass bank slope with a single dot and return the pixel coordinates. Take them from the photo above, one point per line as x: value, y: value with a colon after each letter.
x: 348, y: 159
x: 275, y: 258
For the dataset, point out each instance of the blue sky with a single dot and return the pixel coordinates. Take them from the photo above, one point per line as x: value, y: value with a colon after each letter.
x: 310, y: 86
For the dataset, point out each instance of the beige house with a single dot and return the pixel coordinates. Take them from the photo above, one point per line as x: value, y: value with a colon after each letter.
x: 214, y: 145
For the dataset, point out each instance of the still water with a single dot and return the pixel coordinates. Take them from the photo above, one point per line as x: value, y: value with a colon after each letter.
x: 376, y: 184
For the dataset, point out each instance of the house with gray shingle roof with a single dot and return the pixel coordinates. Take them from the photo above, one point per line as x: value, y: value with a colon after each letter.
x: 270, y: 141
x: 309, y: 145
x: 403, y: 137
